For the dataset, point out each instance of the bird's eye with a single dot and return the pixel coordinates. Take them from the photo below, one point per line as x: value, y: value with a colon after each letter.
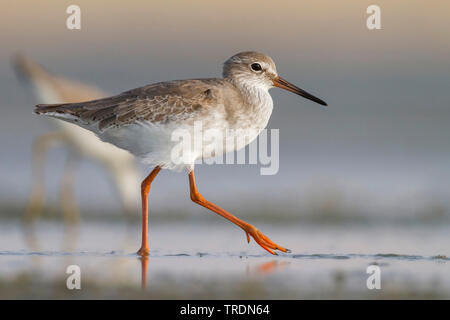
x: 256, y: 67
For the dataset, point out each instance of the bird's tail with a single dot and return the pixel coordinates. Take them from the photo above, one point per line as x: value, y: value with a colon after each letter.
x: 46, y: 108
x: 63, y: 111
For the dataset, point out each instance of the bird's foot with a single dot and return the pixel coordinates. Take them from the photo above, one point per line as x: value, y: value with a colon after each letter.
x: 263, y: 240
x: 143, y: 252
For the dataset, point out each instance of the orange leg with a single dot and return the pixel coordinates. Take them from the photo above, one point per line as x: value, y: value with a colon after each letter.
x: 145, y: 188
x: 250, y: 230
x: 144, y: 271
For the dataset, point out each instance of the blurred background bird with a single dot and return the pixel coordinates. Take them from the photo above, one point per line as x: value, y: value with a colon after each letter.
x: 80, y: 143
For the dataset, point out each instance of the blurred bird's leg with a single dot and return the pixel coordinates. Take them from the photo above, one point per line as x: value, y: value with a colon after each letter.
x: 40, y: 147
x: 145, y: 189
x: 126, y: 177
x: 68, y: 205
x: 250, y: 230
x: 68, y: 202
x: 70, y: 239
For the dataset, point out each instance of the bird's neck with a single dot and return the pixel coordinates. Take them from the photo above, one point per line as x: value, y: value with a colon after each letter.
x: 254, y: 95
x: 259, y: 105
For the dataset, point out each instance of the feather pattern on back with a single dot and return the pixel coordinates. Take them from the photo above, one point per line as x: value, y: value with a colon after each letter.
x: 159, y: 103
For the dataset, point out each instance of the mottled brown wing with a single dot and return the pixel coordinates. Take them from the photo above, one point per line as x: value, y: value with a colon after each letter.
x: 158, y: 103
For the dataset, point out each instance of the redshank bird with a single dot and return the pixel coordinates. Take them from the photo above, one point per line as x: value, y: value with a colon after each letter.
x: 143, y: 120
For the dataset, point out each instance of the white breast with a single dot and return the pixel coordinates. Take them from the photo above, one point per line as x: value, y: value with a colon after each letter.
x: 248, y: 123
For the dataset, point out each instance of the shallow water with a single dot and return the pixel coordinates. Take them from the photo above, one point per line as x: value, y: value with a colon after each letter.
x: 213, y: 260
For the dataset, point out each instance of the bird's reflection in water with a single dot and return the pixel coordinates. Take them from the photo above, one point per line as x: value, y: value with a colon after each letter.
x: 268, y: 267
x: 68, y: 244
x: 264, y: 268
x: 144, y: 272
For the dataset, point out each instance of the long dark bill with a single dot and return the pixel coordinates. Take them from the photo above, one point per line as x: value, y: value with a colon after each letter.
x: 283, y: 84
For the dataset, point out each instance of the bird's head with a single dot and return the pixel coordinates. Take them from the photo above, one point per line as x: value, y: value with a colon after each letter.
x: 254, y: 69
